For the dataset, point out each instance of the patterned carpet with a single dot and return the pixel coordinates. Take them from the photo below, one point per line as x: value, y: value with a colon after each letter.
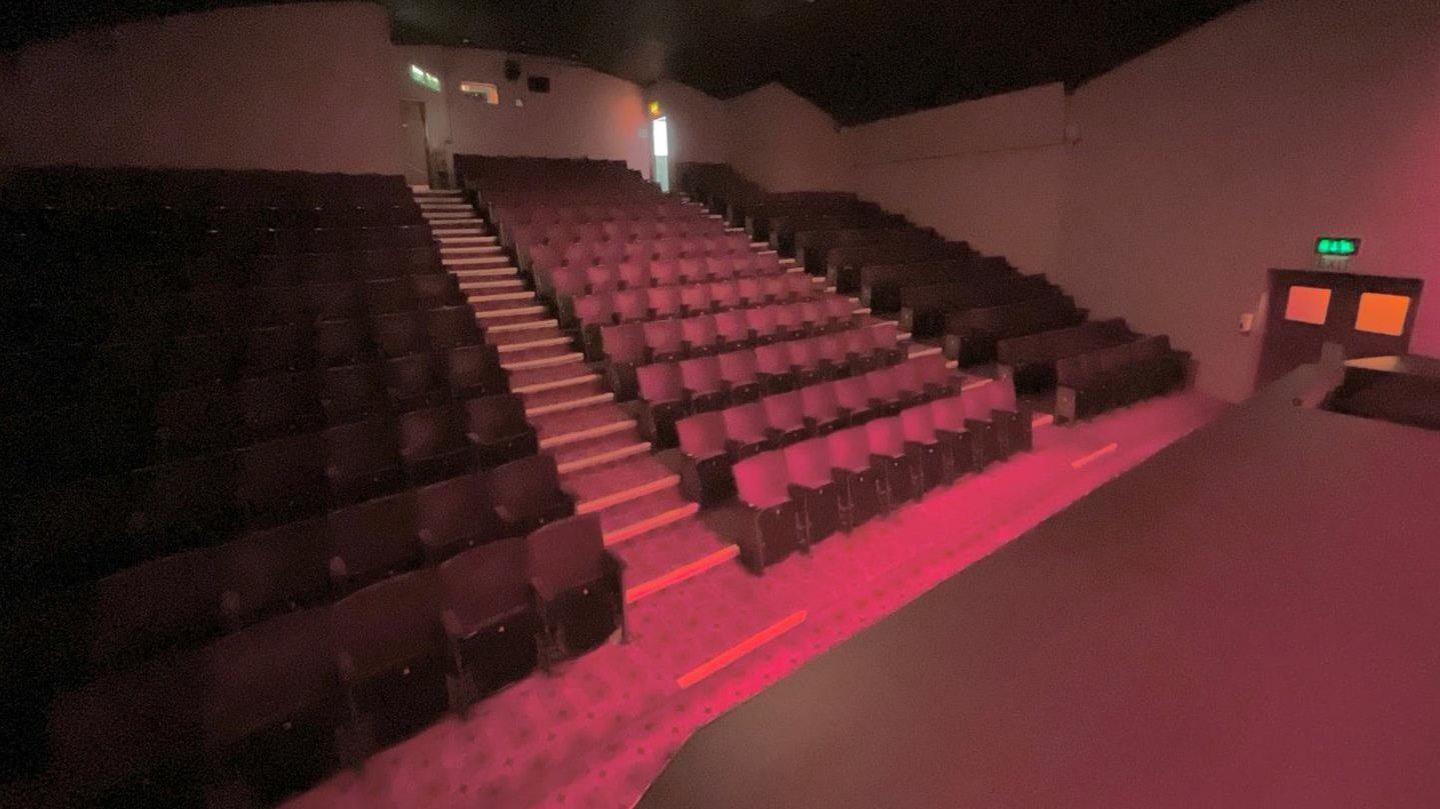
x: 597, y: 732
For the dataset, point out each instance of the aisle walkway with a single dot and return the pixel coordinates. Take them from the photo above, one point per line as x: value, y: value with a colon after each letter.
x: 598, y: 732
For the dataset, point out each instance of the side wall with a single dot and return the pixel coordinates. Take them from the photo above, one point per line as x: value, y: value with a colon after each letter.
x: 785, y: 143
x: 1227, y: 151
x: 699, y: 124
x: 989, y: 171
x: 298, y: 86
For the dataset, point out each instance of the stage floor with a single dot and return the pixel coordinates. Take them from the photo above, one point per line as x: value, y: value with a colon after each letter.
x: 1249, y: 619
x: 600, y: 731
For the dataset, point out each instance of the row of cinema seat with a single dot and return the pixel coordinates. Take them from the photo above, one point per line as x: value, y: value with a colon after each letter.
x: 733, y: 308
x: 272, y: 708
x: 792, y: 395
x: 187, y: 598
x: 185, y: 189
x: 560, y: 284
x: 687, y: 226
x: 795, y: 343
x: 95, y: 524
x: 806, y: 484
x: 662, y: 262
x: 1109, y: 378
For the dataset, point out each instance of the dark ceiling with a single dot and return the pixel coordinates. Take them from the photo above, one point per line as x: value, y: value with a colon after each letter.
x: 860, y: 60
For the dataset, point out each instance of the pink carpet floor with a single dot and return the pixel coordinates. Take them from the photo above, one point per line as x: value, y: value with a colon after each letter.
x: 597, y: 732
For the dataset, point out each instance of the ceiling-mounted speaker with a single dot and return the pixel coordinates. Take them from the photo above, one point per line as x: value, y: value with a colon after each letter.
x: 512, y: 70
x: 539, y: 84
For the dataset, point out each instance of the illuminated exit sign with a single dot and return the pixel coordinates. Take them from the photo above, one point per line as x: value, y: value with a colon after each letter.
x: 430, y: 81
x: 1336, y: 246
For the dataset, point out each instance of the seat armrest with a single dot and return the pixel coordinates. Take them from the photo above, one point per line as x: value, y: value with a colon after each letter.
x: 542, y: 591
x: 452, y: 625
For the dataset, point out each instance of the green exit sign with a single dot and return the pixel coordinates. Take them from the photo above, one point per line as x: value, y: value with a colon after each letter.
x: 424, y: 78
x: 1336, y: 246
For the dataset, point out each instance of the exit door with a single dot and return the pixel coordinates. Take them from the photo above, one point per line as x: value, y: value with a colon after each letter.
x: 1369, y: 315
x: 416, y: 158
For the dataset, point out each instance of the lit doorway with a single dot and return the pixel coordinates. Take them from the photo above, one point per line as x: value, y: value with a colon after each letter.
x: 416, y: 150
x: 660, y: 140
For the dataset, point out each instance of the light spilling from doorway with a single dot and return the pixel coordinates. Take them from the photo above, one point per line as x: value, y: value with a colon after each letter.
x: 660, y: 145
x: 424, y: 78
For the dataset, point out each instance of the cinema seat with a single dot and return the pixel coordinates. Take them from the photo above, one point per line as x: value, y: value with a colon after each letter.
x: 433, y: 444
x: 578, y: 584
x: 862, y: 486
x: 961, y: 452
x: 474, y: 370
x: 705, y: 474
x: 373, y: 540
x: 271, y: 703
x: 526, y: 494
x: 704, y: 387
x: 498, y: 430
x: 812, y: 484
x: 454, y: 515
x: 903, y: 470
x: 393, y: 660
x: 362, y: 461
x: 490, y: 617
x: 662, y: 401
x: 774, y: 522
x: 281, y: 480
x: 918, y: 428
x: 273, y: 571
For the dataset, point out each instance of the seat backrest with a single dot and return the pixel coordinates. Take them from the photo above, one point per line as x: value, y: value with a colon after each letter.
x: 660, y: 382
x: 595, y: 309
x: 262, y: 571
x: 634, y: 271
x: 744, y: 423
x: 356, y: 449
x: 452, y: 509
x: 567, y: 553
x: 738, y: 367
x: 624, y: 343
x: 948, y: 413
x: 522, y: 485
x: 695, y: 296
x: 666, y: 301
x: 884, y: 334
x: 850, y: 448
x: 732, y: 325
x: 852, y: 393
x: 376, y: 535
x: 773, y: 358
x: 819, y: 402
x: 474, y: 369
x: 750, y: 289
x: 143, y: 609
x: 483, y: 583
x: 804, y: 353
x: 699, y: 330
x: 917, y: 424
x: 391, y: 621
x: 762, y: 319
x: 839, y: 308
x: 601, y: 277
x: 451, y: 326
x: 725, y: 293
x: 701, y: 435
x: 881, y: 384
x: 808, y: 462
x: 783, y: 411
x: 632, y: 304
x: 907, y: 377
x: 428, y: 432
x: 885, y: 437
x: 494, y: 417
x: 701, y: 374
x: 762, y: 480
x: 399, y: 333
x: 930, y: 369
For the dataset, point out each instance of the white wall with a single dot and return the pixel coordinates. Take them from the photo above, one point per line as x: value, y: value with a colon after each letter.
x: 785, y: 143
x: 585, y: 114
x: 1227, y: 151
x: 303, y: 86
x: 989, y: 171
x: 699, y: 124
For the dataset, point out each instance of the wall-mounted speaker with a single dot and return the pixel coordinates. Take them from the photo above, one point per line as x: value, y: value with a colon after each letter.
x: 539, y: 84
x: 512, y: 70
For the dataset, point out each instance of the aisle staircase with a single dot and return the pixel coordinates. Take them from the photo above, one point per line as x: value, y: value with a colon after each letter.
x: 603, y: 459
